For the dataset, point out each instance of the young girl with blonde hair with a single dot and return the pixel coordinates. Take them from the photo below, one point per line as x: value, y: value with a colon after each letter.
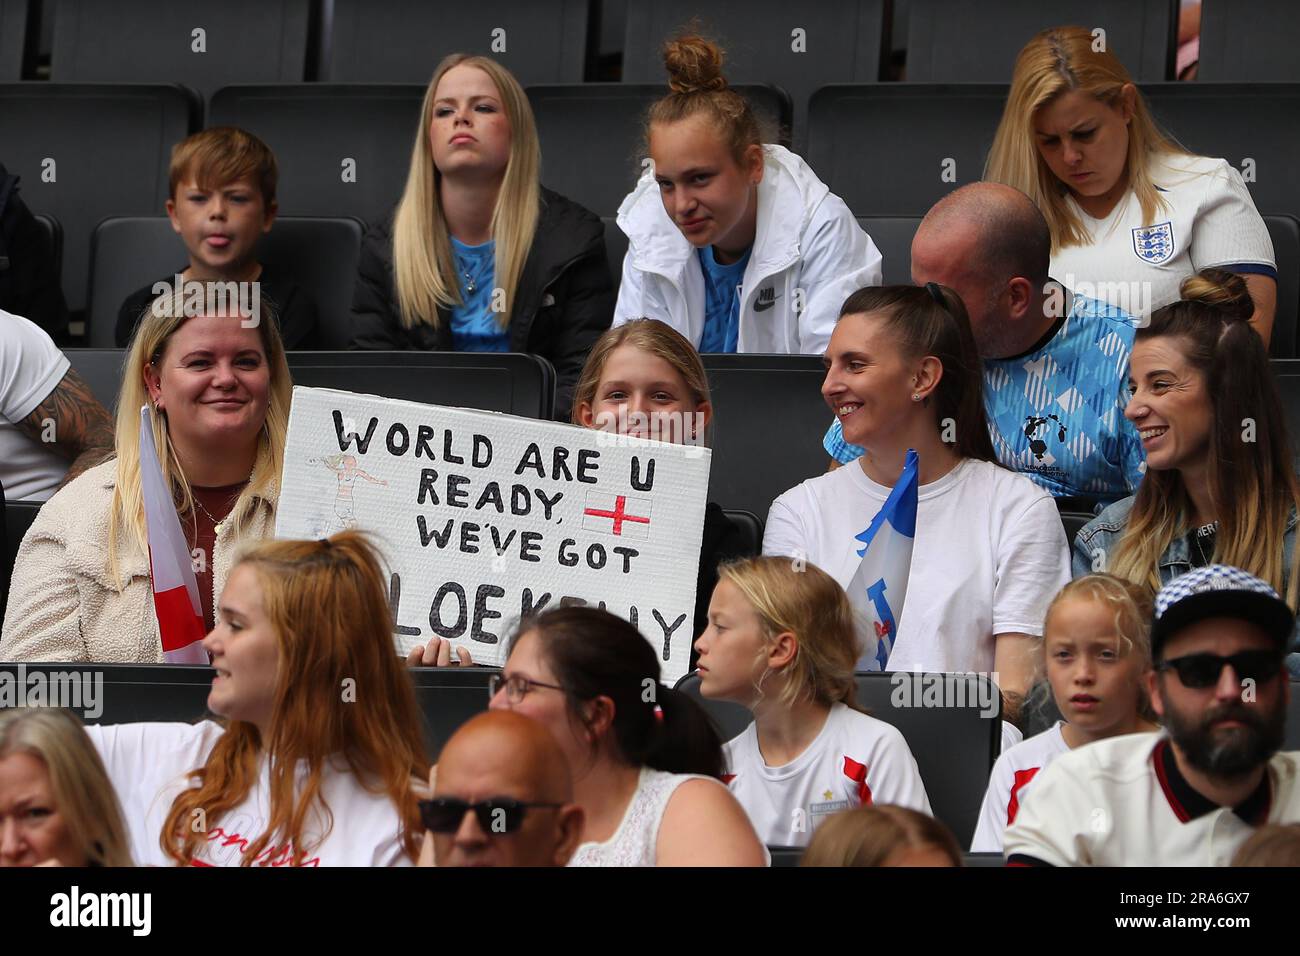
x: 1095, y: 653
x: 781, y: 641
x: 479, y: 256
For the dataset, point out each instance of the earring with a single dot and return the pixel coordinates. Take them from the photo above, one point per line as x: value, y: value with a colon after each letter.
x: 916, y: 397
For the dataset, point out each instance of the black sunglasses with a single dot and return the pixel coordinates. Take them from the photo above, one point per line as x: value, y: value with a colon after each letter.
x: 495, y: 814
x: 1203, y: 670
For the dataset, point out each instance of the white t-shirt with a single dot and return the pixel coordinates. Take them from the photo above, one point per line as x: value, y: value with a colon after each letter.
x: 1116, y: 802
x: 31, y: 367
x: 854, y: 761
x: 988, y: 557
x: 1209, y: 220
x: 1008, y: 783
x: 149, y: 765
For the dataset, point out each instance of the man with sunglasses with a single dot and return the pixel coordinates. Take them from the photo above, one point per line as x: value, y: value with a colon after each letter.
x: 1191, y: 795
x: 502, y: 796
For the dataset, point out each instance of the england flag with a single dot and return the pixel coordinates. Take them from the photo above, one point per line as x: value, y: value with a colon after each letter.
x: 175, y: 588
x: 880, y: 583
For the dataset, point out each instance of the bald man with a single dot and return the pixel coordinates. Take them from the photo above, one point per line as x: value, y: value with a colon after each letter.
x: 1055, y: 363
x: 502, y: 796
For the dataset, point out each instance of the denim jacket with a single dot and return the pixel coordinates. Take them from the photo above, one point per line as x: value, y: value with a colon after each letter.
x: 1101, y: 536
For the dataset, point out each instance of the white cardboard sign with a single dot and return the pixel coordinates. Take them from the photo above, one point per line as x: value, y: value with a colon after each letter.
x: 483, y: 517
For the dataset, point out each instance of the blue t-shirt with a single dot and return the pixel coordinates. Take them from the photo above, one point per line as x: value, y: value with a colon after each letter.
x: 1056, y: 415
x: 721, y: 301
x: 474, y: 326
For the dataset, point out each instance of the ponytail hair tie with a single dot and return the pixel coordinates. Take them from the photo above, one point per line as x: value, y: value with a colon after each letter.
x: 325, y: 542
x: 936, y: 293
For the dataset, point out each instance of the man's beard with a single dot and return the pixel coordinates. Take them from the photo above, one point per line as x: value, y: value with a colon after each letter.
x: 1228, y: 753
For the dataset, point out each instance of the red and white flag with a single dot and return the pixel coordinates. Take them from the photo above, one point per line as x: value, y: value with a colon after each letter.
x: 175, y: 588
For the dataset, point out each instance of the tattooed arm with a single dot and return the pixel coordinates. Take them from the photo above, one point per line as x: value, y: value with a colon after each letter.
x: 72, y: 422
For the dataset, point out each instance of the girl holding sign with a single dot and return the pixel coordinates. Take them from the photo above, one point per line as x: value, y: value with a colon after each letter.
x: 781, y: 642
x: 1096, y: 650
x: 645, y: 379
x: 989, y: 551
x: 478, y: 256
x: 733, y: 242
x: 313, y: 763
x: 645, y: 758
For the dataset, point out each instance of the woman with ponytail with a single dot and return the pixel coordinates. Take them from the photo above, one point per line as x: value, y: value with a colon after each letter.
x: 314, y: 761
x: 1220, y: 486
x: 646, y: 760
x: 989, y: 553
x: 733, y: 242
x: 479, y: 256
x: 781, y: 642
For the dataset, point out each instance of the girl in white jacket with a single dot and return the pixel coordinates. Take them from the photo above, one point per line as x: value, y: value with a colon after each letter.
x: 735, y: 243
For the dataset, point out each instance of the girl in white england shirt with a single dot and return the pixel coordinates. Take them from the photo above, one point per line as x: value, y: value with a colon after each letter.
x: 781, y: 641
x: 1096, y: 649
x: 313, y: 762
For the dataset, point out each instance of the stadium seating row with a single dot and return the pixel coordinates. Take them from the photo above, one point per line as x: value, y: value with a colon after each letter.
x: 553, y: 41
x: 755, y: 397
x: 86, y: 152
x: 954, y: 744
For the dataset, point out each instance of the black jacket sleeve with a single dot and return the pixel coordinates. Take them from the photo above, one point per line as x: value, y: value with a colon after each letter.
x: 584, y: 297
x: 376, y: 323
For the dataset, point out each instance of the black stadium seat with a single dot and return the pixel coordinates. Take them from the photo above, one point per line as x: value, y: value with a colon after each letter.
x: 955, y: 41
x: 893, y: 149
x: 750, y: 526
x: 842, y: 42
x: 320, y: 254
x: 402, y: 41
x: 510, y: 382
x: 447, y: 696
x: 954, y: 746
x: 1239, y: 122
x: 597, y: 169
x: 769, y: 419
x: 13, y: 34
x: 102, y: 370
x: 893, y: 237
x: 1286, y: 372
x: 1258, y: 47
x: 343, y: 150
x: 615, y: 249
x: 1285, y: 233
x: 86, y: 152
x: 1073, y: 522
x: 154, y: 41
x: 54, y: 236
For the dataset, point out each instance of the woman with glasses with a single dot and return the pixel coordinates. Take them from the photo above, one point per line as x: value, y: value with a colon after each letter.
x: 646, y: 761
x: 312, y: 763
x: 902, y: 375
x: 1220, y: 485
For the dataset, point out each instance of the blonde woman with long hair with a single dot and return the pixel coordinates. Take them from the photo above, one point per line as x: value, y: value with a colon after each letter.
x: 319, y: 744
x: 1131, y: 212
x: 478, y: 256
x: 57, y: 805
x: 1220, y: 486
x: 781, y: 641
x: 220, y: 391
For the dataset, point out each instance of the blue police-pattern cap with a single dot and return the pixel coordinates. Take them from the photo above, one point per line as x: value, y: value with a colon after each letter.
x: 1219, y: 590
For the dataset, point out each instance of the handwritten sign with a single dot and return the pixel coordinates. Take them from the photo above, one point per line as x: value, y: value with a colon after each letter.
x: 483, y: 518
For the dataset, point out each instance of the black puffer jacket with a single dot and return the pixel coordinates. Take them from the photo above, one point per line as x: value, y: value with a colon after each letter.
x: 564, y: 301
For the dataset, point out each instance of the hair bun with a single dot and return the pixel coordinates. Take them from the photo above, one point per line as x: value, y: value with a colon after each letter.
x: 1222, y: 290
x: 694, y: 65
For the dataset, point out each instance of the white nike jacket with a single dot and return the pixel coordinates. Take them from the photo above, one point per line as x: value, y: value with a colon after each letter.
x: 809, y: 255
